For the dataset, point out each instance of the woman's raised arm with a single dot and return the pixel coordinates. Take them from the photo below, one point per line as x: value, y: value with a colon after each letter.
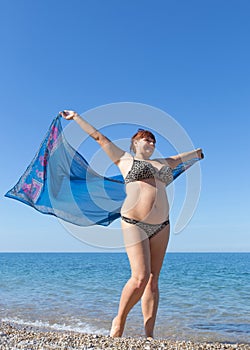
x: 173, y: 161
x: 115, y: 153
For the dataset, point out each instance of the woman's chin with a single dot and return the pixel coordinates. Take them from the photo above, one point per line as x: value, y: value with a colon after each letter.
x: 149, y: 152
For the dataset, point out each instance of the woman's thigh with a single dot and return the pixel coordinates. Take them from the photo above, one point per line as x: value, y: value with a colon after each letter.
x: 138, y: 249
x: 158, y: 246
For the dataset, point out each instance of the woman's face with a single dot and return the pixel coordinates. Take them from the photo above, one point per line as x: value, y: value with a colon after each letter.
x: 145, y: 146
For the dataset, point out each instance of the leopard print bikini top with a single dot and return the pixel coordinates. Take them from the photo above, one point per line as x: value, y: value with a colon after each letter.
x: 142, y: 170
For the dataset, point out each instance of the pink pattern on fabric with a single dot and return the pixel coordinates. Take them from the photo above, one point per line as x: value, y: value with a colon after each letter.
x: 32, y: 190
x: 39, y: 174
x: 52, y: 137
x: 43, y: 160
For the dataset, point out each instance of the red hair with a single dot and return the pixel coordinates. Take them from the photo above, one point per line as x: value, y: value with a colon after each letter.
x: 141, y: 134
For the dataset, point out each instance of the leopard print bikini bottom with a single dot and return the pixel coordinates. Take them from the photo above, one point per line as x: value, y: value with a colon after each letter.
x: 149, y: 229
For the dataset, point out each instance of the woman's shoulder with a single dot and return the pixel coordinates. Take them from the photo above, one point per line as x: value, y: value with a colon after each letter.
x: 160, y: 160
x: 126, y: 157
x: 125, y: 163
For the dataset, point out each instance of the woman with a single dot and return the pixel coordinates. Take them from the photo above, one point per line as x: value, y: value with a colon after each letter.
x: 145, y: 218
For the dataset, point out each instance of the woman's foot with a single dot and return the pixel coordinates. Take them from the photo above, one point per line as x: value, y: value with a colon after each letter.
x: 116, y: 328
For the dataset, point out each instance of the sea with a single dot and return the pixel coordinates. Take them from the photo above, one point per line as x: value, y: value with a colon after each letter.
x: 204, y: 297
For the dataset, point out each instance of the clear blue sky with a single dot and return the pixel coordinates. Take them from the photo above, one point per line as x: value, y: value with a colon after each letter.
x: 188, y: 58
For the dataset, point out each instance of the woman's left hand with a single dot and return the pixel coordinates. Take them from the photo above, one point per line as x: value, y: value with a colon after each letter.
x: 200, y: 153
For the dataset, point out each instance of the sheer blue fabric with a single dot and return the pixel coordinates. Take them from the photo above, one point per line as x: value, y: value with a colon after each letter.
x: 59, y: 181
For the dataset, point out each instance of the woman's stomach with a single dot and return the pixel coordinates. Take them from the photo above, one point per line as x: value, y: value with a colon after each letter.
x: 146, y: 202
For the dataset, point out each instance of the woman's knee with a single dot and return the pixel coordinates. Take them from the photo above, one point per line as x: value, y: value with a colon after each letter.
x: 141, y: 280
x: 153, y: 282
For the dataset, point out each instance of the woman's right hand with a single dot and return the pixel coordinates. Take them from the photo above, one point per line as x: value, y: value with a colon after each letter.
x: 69, y: 115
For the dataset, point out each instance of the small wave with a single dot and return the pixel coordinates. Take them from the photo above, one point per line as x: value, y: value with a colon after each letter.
x: 225, y: 327
x: 78, y: 327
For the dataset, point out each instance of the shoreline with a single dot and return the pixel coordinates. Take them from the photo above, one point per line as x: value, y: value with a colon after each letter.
x: 19, y: 337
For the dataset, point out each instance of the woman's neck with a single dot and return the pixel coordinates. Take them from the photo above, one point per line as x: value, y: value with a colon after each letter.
x: 141, y: 156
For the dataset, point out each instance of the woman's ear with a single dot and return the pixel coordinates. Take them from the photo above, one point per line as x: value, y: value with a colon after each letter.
x: 135, y: 143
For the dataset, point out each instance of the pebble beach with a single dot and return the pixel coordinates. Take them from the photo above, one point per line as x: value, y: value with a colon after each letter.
x: 16, y: 337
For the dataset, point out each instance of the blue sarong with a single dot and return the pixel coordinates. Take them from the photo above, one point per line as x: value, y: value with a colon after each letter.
x: 60, y: 182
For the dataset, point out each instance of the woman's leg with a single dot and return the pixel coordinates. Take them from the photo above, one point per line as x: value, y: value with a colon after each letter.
x: 150, y: 298
x: 138, y: 250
